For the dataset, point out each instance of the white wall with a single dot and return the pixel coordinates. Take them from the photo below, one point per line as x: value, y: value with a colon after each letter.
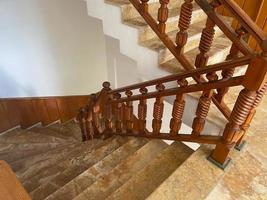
x: 50, y: 47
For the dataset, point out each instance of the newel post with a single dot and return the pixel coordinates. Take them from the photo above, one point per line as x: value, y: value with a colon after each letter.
x: 254, y: 81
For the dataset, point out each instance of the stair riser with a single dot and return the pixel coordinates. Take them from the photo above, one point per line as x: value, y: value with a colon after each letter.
x: 129, y: 11
x: 172, y: 24
x: 193, y: 42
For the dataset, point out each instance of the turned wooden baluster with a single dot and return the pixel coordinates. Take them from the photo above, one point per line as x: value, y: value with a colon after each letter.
x: 142, y: 111
x: 232, y: 130
x: 228, y: 73
x: 203, y: 107
x: 82, y: 116
x: 129, y: 113
x: 144, y: 5
x: 158, y: 111
x: 205, y: 44
x: 119, y: 114
x: 178, y: 110
x: 206, y: 40
x: 246, y: 125
x: 163, y: 15
x: 108, y: 123
x: 184, y: 23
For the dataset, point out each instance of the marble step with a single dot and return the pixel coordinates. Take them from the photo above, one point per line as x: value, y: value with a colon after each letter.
x: 53, y: 131
x: 14, y: 152
x: 57, y: 176
x: 129, y: 11
x: 100, y: 169
x: 107, y: 184
x: 194, y: 33
x: 31, y: 166
x: 20, y: 136
x: 143, y: 183
x: 69, y: 129
x: 219, y: 51
x: 147, y: 33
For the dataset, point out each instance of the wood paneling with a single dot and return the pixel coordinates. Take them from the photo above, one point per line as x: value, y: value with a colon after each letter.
x: 261, y: 20
x: 29, y: 111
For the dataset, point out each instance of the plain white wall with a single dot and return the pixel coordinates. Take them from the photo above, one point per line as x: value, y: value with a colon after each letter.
x: 50, y: 47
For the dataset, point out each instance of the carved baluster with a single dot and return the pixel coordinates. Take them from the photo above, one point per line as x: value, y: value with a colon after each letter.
x: 119, y: 114
x: 108, y: 122
x: 82, y: 116
x: 142, y: 111
x: 251, y: 115
x: 205, y: 44
x: 232, y: 130
x: 158, y: 111
x: 184, y: 23
x: 228, y: 73
x: 203, y: 107
x: 178, y: 109
x: 163, y: 15
x: 144, y: 5
x: 129, y: 113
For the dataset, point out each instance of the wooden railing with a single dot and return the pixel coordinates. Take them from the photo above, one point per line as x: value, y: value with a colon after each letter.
x: 111, y: 111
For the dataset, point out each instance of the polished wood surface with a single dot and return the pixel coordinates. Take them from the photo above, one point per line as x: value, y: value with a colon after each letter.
x: 28, y: 111
x: 10, y: 187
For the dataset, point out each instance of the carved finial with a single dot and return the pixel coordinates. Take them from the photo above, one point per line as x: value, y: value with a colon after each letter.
x: 106, y: 85
x: 240, y: 32
x: 182, y: 82
x: 117, y: 95
x: 143, y: 90
x: 212, y: 76
x: 160, y: 87
x: 129, y: 93
x: 215, y: 3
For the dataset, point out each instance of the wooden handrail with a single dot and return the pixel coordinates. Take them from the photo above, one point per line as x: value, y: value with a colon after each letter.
x: 181, y: 90
x: 246, y: 22
x: 196, y: 72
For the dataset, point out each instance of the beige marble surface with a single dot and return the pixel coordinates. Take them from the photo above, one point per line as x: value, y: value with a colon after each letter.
x: 247, y: 178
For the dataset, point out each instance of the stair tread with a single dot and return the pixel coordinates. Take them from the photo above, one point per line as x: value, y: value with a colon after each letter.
x: 54, y: 132
x: 69, y: 129
x: 103, y: 187
x: 140, y: 22
x: 103, y: 167
x: 20, y: 136
x: 220, y: 45
x: 153, y: 174
x: 14, y: 152
x: 118, y: 2
x: 156, y: 44
x: 31, y: 166
x: 52, y: 179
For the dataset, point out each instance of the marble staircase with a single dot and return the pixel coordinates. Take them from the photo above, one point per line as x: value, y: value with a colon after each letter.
x: 57, y: 165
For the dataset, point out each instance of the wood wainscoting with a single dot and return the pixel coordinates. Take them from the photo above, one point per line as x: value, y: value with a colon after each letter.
x: 257, y: 10
x: 28, y: 111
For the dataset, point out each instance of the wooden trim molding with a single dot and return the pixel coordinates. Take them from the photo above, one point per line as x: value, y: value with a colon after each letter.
x: 28, y: 111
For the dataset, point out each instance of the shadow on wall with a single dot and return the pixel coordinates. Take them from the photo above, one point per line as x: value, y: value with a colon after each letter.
x: 122, y: 70
x: 11, y: 88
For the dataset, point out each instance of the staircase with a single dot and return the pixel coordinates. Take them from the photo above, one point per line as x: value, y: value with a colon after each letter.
x: 121, y: 154
x: 53, y: 163
x: 148, y: 39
